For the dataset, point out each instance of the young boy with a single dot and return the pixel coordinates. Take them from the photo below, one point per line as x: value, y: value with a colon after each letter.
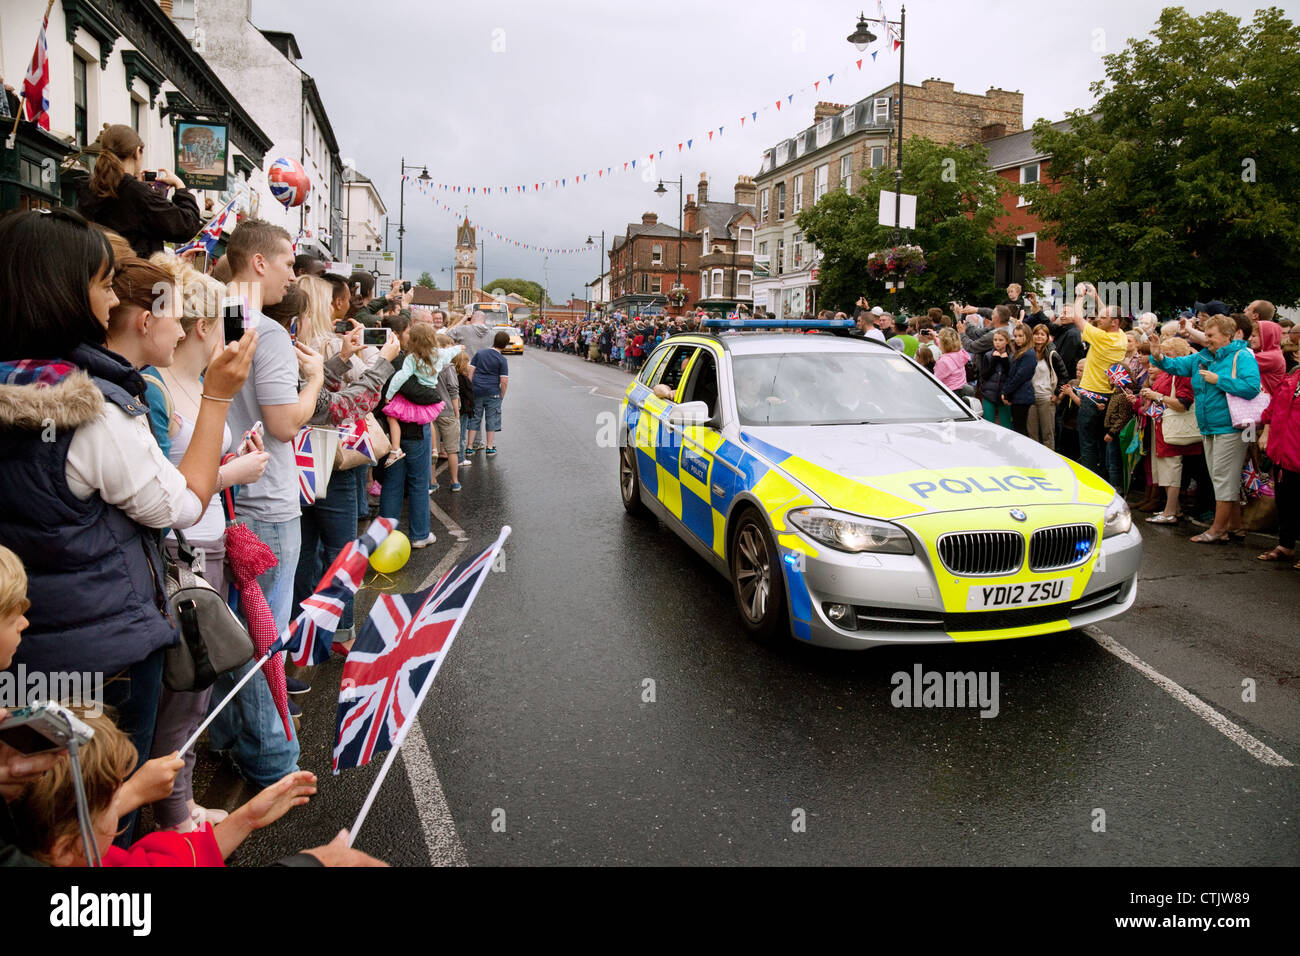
x: 13, y: 605
x: 45, y: 813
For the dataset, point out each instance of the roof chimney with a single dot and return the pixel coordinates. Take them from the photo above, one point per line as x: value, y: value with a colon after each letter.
x: 823, y: 110
x: 703, y: 189
x: 746, y: 191
x: 690, y: 214
x: 649, y: 218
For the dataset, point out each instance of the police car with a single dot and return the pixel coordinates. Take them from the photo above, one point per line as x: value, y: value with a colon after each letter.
x: 853, y: 500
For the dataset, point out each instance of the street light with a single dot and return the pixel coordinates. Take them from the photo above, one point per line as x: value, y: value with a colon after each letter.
x: 660, y: 190
x: 604, y: 280
x: 401, y: 211
x: 862, y: 38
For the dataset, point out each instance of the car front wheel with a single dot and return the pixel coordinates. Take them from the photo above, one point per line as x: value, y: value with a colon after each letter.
x: 629, y: 482
x: 756, y: 579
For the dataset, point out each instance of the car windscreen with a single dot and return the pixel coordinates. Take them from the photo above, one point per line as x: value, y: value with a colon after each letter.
x: 838, y: 388
x: 509, y: 329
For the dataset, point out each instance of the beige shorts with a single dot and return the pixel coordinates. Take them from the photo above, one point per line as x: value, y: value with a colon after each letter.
x: 1167, y: 472
x: 1224, y: 457
x: 448, y: 426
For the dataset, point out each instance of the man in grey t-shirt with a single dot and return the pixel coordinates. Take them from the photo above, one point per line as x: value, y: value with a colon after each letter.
x: 474, y: 335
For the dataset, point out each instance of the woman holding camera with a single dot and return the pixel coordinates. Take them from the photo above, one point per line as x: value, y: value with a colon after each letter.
x: 116, y: 197
x: 85, y: 486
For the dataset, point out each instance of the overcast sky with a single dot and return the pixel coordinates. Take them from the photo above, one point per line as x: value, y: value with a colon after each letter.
x: 573, y: 86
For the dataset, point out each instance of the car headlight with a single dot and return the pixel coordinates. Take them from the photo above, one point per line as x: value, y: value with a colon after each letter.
x: 1118, y: 519
x: 848, y: 532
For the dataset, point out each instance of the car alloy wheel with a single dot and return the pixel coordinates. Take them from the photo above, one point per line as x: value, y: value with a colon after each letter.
x: 756, y: 578
x: 629, y: 482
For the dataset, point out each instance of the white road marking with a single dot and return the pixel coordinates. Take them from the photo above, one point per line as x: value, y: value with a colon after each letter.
x: 436, y: 822
x: 1247, y: 742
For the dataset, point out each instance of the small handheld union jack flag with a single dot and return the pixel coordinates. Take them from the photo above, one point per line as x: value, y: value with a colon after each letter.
x: 396, y: 657
x: 210, y: 234
x: 310, y: 635
x: 305, y: 464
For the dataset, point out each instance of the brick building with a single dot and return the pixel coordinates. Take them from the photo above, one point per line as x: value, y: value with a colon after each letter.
x: 725, y: 233
x: 833, y: 153
x: 1016, y: 161
x: 643, y: 265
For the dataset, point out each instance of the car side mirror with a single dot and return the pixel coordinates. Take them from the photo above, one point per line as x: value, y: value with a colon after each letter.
x: 976, y: 406
x: 689, y: 413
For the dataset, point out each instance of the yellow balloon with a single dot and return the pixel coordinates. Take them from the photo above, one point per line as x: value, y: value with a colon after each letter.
x: 392, y: 554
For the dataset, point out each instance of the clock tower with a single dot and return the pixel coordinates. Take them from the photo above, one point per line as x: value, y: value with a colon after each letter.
x: 465, y: 268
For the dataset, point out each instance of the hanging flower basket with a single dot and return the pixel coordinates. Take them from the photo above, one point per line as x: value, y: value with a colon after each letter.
x: 678, y: 295
x: 893, y: 263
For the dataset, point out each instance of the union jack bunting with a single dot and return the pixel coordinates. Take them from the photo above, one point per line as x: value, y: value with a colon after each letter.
x: 396, y: 657
x: 310, y: 635
x: 305, y: 463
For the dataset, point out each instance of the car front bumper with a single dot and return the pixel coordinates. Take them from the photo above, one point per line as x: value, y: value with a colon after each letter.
x: 899, y: 599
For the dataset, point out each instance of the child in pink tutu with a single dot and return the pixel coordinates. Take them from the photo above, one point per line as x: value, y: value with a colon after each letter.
x: 424, y: 360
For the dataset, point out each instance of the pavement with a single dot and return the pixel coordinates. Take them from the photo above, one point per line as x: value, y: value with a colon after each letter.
x: 601, y: 704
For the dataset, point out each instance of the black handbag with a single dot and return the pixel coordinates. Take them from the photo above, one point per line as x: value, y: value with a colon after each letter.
x: 213, y: 641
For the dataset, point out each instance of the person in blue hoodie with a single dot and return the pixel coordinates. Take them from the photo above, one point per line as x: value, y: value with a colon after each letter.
x: 1224, y: 367
x: 1018, y: 386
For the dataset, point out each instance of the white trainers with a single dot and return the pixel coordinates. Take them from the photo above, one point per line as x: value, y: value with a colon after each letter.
x: 424, y: 542
x: 465, y: 463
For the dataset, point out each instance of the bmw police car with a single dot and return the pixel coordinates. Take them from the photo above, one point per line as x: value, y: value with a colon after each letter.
x: 855, y: 501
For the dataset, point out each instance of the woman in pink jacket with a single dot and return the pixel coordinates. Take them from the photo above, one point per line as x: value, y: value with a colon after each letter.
x: 1280, y: 440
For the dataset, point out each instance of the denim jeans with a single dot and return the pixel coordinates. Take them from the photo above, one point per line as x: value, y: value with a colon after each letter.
x: 134, y: 694
x: 328, y: 527
x: 408, y: 478
x: 1092, y: 428
x: 363, y: 502
x: 249, y: 727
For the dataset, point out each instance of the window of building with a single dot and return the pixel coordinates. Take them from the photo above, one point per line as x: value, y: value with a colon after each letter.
x: 718, y: 288
x: 800, y: 145
x: 780, y: 202
x: 80, y: 97
x: 767, y: 162
x: 1028, y: 176
x: 657, y: 254
x: 762, y: 248
x: 797, y: 250
x: 744, y: 285
x: 704, y: 243
x: 762, y: 208
x: 824, y: 132
x: 783, y: 153
x: 1029, y: 241
x: 848, y: 118
x: 821, y: 181
x: 798, y: 193
x: 877, y: 157
x: 846, y: 165
x: 880, y: 110
x: 645, y: 282
x: 656, y: 284
x: 135, y: 114
x: 704, y: 284
x: 745, y: 241
x: 780, y: 256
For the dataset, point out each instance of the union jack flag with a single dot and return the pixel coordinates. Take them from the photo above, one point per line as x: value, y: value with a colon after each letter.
x: 36, y: 105
x: 396, y: 657
x: 210, y: 234
x: 310, y: 635
x: 356, y: 437
x: 305, y: 463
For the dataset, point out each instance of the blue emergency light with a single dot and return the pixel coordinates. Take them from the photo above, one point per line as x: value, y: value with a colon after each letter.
x: 772, y: 325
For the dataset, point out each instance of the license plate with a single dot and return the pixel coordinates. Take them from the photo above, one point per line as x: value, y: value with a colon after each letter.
x: 984, y: 597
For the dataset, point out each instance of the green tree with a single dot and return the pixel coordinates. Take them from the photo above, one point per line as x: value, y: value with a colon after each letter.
x: 1186, y: 173
x: 532, y: 291
x: 956, y: 216
x: 426, y: 280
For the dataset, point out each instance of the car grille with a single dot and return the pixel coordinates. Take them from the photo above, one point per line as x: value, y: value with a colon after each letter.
x: 982, y: 552
x: 1062, y: 547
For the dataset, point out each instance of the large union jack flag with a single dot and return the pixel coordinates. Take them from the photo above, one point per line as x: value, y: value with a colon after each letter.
x: 311, y: 634
x: 396, y: 657
x: 36, y: 105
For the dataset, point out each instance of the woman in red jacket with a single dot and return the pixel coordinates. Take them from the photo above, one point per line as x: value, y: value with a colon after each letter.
x: 1280, y: 440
